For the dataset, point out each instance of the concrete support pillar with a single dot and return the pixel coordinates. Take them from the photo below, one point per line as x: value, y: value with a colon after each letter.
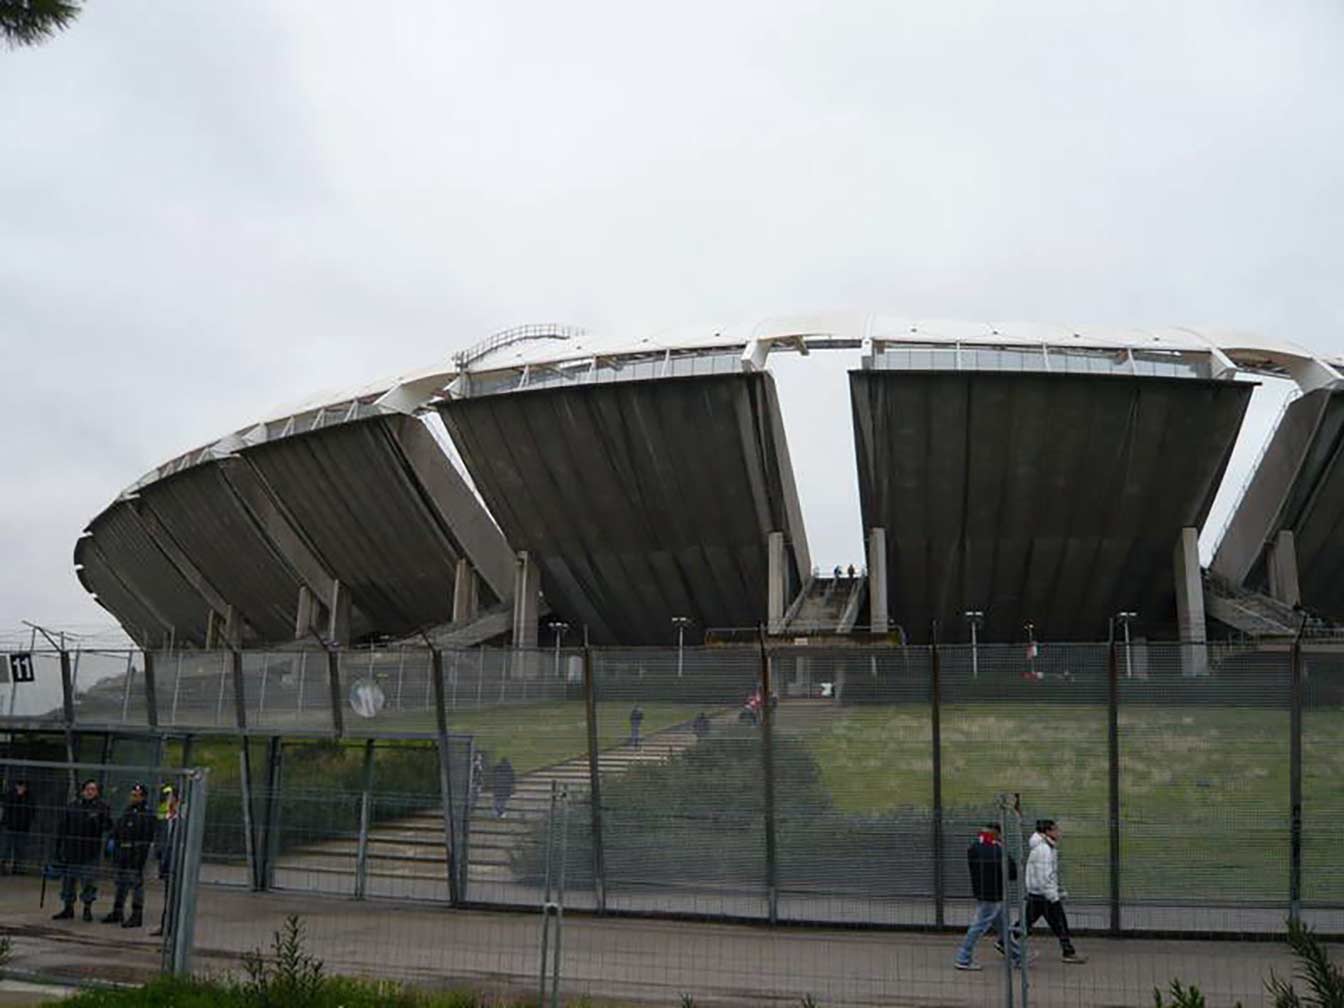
x: 1282, y: 566
x: 306, y: 615
x: 466, y: 596
x: 526, y: 589
x: 233, y: 627
x: 338, y: 614
x: 877, y: 581
x: 778, y: 575
x: 1190, y: 604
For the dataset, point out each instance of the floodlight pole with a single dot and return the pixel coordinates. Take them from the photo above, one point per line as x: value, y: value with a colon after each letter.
x: 680, y: 623
x: 1124, y: 618
x: 559, y: 626
x: 975, y: 617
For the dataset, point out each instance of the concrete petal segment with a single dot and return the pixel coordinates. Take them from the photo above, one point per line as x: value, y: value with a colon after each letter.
x: 641, y: 500
x: 1054, y: 498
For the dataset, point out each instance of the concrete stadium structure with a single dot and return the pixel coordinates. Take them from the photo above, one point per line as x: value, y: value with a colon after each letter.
x: 1038, y: 475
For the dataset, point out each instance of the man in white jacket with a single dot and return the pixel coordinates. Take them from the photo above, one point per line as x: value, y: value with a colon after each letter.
x: 1043, y: 892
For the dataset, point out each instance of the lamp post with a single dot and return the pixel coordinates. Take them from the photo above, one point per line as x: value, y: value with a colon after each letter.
x: 559, y: 626
x: 680, y: 623
x: 975, y: 617
x: 1124, y: 618
x: 1031, y: 648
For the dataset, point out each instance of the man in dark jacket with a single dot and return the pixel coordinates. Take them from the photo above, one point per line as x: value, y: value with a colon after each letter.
x: 985, y: 859
x: 17, y: 812
x: 79, y: 843
x: 131, y: 838
x: 501, y: 786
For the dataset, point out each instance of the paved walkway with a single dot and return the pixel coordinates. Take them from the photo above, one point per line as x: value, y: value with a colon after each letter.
x: 646, y: 961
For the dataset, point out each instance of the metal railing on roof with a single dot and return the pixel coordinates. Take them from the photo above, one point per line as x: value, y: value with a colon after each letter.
x: 506, y: 337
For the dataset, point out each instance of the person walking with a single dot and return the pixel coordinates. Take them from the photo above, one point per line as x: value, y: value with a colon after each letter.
x: 17, y: 814
x: 79, y: 844
x: 984, y: 858
x: 700, y: 725
x: 501, y: 786
x: 131, y: 838
x: 636, y: 719
x: 1044, y: 895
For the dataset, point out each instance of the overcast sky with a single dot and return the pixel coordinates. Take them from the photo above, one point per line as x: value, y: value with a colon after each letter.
x: 212, y: 208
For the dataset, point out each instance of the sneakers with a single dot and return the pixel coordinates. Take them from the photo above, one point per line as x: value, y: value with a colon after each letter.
x: 970, y: 967
x: 1074, y: 959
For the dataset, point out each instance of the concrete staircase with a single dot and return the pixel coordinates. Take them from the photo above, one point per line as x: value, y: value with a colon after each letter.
x: 411, y: 849
x: 823, y: 607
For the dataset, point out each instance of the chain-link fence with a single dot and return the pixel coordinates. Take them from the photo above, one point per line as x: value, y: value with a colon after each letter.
x: 836, y: 785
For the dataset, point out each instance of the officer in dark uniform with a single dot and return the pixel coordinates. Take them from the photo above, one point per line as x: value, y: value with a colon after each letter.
x: 79, y: 843
x: 131, y: 838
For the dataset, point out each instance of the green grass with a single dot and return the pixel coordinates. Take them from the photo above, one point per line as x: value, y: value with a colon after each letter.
x: 543, y: 734
x: 1204, y: 790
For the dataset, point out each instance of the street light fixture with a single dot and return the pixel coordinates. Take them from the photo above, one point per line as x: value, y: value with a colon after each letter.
x: 976, y: 617
x: 680, y: 622
x: 559, y: 626
x: 1124, y: 618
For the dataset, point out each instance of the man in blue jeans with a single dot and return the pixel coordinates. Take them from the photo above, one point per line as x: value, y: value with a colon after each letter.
x: 985, y: 859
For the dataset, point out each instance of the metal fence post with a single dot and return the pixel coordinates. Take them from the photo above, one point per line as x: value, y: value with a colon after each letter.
x: 270, y: 828
x: 936, y: 714
x: 1295, y: 779
x: 68, y: 713
x: 1113, y: 781
x: 594, y: 784
x: 768, y: 770
x: 183, y: 914
x: 365, y: 801
x: 446, y: 781
x: 151, y: 690
x: 334, y: 684
x: 249, y: 825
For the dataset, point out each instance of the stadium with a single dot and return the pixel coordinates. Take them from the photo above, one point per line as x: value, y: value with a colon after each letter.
x: 1042, y: 479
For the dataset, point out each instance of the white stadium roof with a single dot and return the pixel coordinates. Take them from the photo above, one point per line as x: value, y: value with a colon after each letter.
x: 548, y: 347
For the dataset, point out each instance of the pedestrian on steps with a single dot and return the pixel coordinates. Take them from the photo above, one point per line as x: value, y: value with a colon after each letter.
x: 501, y: 786
x: 636, y: 719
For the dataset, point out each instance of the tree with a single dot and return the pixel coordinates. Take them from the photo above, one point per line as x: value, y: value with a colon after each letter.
x: 31, y: 22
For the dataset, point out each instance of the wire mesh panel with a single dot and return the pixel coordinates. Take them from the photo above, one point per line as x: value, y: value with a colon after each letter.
x: 680, y: 763
x: 527, y: 716
x: 1204, y: 787
x: 287, y: 690
x: 109, y: 687
x: 387, y: 690
x: 1323, y: 784
x: 406, y: 854
x: 1027, y: 719
x: 195, y: 689
x: 224, y: 850
x: 316, y: 828
x: 853, y: 784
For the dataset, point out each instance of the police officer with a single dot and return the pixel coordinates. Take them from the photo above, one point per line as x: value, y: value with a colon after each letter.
x: 79, y: 843
x: 131, y: 838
